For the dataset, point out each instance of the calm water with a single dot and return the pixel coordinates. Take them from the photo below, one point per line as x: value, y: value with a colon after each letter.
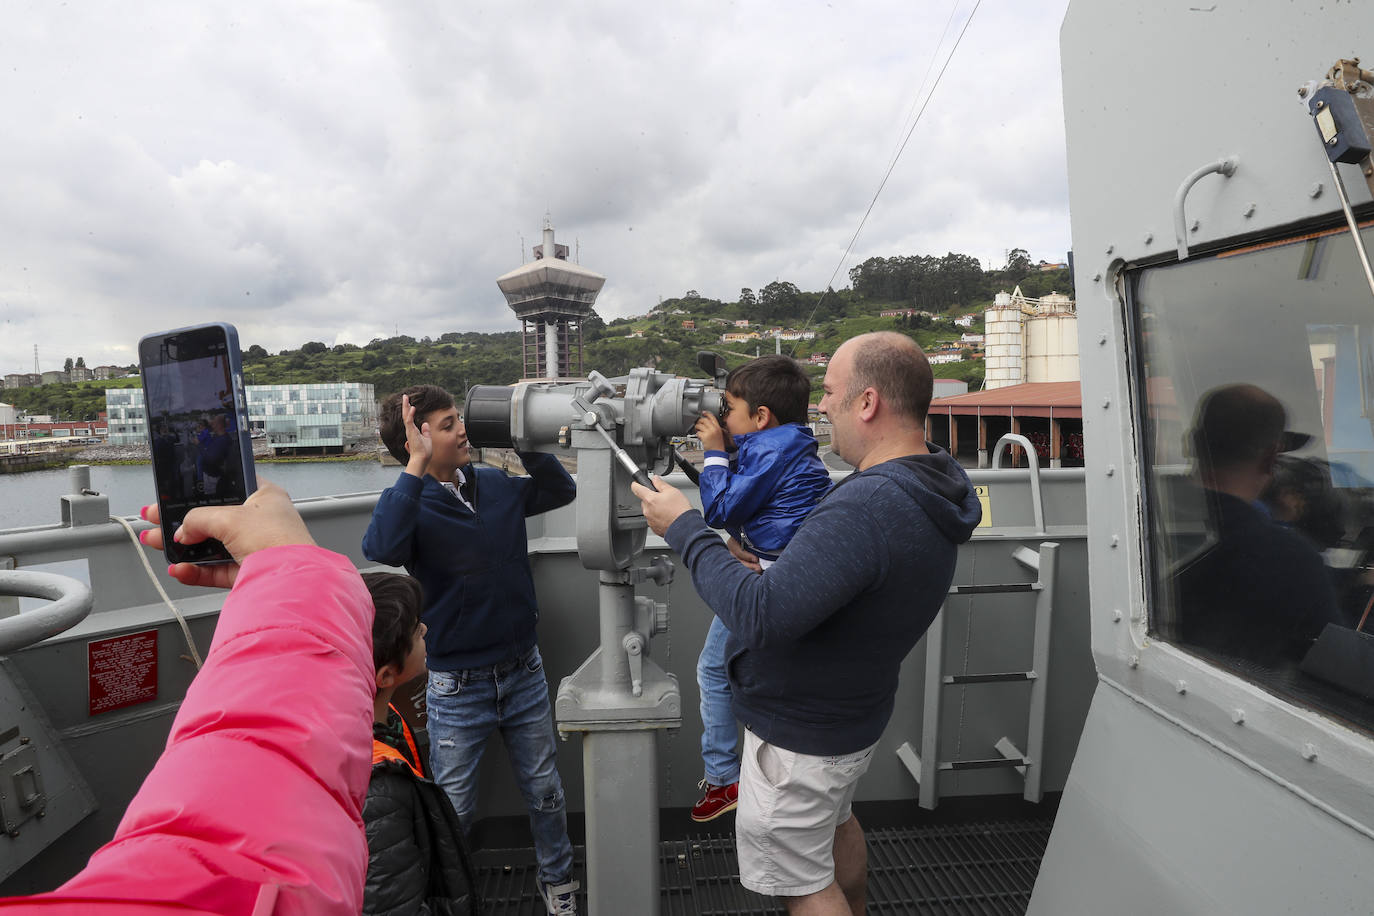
x: 34, y: 497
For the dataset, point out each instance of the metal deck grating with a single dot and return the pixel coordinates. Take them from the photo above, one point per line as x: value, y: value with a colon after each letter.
x: 979, y: 869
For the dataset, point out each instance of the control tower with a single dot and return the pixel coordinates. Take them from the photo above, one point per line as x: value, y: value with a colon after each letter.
x: 552, y: 297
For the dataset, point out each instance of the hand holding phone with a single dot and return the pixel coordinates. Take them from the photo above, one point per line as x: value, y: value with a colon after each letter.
x: 198, y: 430
x: 267, y: 519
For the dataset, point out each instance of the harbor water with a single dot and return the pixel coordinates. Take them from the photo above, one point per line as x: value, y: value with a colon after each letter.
x: 34, y: 497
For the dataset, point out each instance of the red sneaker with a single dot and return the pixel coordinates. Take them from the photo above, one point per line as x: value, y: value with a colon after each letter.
x: 718, y: 800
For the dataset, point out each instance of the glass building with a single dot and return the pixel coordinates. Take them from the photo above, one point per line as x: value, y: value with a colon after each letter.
x: 314, y: 419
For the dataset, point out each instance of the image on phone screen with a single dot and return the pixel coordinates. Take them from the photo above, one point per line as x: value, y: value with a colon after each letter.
x: 197, y: 439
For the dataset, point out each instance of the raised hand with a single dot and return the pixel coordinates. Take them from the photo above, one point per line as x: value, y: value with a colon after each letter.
x: 418, y: 442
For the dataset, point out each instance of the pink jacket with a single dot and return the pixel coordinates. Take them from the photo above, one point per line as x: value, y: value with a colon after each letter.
x: 255, y: 806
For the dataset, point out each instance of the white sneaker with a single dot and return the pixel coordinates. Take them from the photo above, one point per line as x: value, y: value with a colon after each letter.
x: 560, y: 899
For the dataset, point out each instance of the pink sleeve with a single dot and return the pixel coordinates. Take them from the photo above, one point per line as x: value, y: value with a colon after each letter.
x: 259, y: 793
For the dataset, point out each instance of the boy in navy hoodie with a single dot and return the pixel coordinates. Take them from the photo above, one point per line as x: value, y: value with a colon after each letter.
x: 759, y: 491
x: 460, y: 530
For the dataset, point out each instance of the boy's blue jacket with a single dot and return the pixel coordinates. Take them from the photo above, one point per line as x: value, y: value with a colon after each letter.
x: 475, y: 569
x: 774, y: 480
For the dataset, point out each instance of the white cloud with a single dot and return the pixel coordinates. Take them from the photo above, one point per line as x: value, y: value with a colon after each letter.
x: 338, y: 171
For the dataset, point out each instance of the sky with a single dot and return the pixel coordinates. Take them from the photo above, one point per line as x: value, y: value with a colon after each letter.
x: 340, y: 171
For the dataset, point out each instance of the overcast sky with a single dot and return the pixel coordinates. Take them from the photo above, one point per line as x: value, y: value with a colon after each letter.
x: 340, y: 171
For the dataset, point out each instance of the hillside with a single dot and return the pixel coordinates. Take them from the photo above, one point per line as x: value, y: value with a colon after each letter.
x: 668, y: 337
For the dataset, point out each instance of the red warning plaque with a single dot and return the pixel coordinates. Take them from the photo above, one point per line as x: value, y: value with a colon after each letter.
x: 122, y: 671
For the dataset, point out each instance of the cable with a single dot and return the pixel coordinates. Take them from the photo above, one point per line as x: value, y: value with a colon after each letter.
x: 888, y: 173
x: 142, y: 555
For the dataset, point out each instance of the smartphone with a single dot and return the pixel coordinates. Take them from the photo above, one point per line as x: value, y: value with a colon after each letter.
x: 197, y: 429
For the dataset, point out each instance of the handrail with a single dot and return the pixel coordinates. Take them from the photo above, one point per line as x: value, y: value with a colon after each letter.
x: 71, y: 602
x: 1032, y: 459
x: 1224, y: 167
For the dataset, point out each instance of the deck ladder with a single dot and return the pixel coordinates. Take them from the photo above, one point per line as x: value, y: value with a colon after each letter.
x: 927, y: 765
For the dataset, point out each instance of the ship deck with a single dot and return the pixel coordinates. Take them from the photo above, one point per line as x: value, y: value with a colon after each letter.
x: 977, y: 868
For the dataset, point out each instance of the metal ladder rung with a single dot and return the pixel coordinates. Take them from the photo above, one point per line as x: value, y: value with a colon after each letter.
x: 1006, y: 589
x: 989, y: 763
x: 925, y: 765
x: 990, y: 678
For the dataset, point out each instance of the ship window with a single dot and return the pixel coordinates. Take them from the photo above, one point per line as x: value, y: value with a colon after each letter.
x: 1256, y: 401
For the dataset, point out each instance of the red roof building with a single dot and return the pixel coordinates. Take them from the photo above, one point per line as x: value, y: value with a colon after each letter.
x: 1049, y: 414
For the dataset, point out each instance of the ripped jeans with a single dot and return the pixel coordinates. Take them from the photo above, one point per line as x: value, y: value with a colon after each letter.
x: 465, y: 708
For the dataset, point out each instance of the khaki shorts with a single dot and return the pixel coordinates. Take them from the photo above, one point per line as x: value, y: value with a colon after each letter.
x: 789, y: 807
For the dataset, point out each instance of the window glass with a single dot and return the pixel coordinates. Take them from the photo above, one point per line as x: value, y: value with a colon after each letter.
x: 1257, y: 400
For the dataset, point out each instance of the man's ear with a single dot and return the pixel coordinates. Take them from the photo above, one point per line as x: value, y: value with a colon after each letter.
x: 867, y: 405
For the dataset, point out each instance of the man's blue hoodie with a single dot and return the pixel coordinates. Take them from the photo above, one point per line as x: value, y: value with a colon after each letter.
x: 817, y: 640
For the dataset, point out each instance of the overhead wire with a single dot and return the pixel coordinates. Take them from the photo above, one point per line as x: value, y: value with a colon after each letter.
x: 893, y: 165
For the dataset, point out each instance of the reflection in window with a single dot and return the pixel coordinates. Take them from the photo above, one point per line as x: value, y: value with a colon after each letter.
x: 1258, y: 400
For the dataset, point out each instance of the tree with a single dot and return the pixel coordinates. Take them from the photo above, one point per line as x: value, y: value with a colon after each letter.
x: 81, y: 362
x: 257, y: 352
x: 67, y: 366
x: 310, y: 348
x: 1018, y: 264
x: 780, y: 299
x: 692, y: 294
x: 746, y: 297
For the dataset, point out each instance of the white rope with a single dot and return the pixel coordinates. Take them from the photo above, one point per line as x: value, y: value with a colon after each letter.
x: 166, y: 599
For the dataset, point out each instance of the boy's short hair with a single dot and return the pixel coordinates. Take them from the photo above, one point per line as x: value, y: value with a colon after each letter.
x: 398, y: 600
x: 776, y: 382
x: 426, y: 399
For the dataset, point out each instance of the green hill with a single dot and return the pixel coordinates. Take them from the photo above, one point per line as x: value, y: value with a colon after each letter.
x: 667, y: 338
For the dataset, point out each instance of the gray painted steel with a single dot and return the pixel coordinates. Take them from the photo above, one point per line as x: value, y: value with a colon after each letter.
x: 1193, y: 791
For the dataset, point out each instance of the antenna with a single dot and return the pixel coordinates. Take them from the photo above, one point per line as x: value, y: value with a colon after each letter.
x: 35, y: 359
x: 522, y: 248
x: 577, y: 253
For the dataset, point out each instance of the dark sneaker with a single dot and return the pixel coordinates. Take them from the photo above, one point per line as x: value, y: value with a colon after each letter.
x: 718, y: 800
x: 560, y: 899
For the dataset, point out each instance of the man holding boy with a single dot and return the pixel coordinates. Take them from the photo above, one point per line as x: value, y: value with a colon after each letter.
x: 816, y: 642
x: 460, y: 530
x: 759, y: 490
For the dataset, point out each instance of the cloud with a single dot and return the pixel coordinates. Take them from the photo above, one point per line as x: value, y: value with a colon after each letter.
x: 343, y: 170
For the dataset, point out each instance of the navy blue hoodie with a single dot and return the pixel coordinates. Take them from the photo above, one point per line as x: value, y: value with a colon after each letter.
x: 474, y: 566
x: 816, y: 641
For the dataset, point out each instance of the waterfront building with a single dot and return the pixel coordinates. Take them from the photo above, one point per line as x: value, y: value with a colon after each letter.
x: 552, y: 297
x: 313, y: 419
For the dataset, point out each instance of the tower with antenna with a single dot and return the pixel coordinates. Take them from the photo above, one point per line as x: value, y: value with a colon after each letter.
x: 552, y: 297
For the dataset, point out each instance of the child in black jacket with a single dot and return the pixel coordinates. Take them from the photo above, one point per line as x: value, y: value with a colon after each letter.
x: 417, y: 862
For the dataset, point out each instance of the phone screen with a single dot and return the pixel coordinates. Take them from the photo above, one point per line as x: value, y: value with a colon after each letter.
x: 202, y: 456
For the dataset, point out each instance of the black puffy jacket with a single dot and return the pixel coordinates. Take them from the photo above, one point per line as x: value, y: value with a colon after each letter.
x: 417, y: 862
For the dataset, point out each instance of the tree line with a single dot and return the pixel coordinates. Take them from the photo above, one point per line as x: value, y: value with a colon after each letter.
x: 457, y: 360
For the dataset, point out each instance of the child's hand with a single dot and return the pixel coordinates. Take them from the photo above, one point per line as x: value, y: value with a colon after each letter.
x: 744, y: 556
x: 421, y: 446
x: 708, y: 430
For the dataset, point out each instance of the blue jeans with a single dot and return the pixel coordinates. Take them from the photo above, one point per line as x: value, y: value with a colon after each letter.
x: 719, y: 733
x: 465, y: 708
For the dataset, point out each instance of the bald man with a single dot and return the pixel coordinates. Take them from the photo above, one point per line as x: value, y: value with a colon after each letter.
x: 817, y: 639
